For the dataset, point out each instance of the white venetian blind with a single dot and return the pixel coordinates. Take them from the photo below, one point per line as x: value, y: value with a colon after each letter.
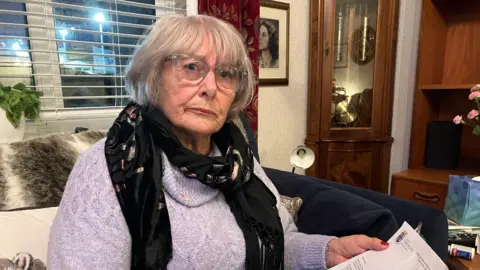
x: 75, y: 51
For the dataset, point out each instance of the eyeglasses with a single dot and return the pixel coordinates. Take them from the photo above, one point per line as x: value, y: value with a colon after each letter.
x: 193, y: 71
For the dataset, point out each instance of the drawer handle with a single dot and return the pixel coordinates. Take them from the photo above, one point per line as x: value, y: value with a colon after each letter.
x: 426, y: 197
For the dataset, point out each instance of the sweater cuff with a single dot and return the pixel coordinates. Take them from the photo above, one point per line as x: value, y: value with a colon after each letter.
x: 314, y: 252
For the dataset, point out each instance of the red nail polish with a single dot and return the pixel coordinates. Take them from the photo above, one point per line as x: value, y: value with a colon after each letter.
x: 385, y: 243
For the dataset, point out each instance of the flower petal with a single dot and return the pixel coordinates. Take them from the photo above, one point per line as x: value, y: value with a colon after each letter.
x: 457, y: 120
x: 475, y: 88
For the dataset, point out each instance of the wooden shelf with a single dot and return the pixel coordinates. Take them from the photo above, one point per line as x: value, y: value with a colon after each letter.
x: 435, y: 176
x: 442, y: 87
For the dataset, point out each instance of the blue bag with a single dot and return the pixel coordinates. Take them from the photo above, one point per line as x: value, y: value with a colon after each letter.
x: 463, y: 200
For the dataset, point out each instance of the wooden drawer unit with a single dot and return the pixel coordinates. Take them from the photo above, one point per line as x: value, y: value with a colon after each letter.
x: 423, y: 185
x: 422, y: 192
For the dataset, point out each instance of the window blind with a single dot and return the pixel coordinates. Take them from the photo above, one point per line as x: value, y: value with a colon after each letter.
x: 75, y: 51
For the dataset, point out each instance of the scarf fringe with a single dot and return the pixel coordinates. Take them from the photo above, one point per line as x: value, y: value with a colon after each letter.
x: 271, y: 258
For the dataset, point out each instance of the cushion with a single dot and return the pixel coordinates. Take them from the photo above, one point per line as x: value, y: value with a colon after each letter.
x: 26, y: 231
x: 293, y: 205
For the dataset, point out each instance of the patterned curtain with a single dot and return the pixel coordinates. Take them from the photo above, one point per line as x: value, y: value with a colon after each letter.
x: 243, y: 14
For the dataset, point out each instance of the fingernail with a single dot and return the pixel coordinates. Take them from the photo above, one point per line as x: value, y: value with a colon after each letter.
x: 385, y: 243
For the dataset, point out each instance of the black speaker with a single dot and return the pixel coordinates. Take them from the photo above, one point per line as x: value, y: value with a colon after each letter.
x: 443, y: 145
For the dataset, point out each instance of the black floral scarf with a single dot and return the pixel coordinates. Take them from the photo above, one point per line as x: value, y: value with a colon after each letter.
x: 133, y: 151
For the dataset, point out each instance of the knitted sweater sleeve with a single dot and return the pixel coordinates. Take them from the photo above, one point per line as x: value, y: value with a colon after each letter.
x: 89, y: 231
x: 302, y: 251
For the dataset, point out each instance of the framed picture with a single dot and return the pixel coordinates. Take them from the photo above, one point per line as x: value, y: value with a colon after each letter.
x: 273, y: 38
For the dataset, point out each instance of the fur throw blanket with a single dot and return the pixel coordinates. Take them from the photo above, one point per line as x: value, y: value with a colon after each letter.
x: 33, y: 172
x: 22, y: 261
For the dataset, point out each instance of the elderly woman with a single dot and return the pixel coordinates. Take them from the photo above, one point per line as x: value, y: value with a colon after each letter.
x: 175, y: 185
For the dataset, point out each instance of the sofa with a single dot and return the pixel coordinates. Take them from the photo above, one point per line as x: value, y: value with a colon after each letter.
x: 33, y: 174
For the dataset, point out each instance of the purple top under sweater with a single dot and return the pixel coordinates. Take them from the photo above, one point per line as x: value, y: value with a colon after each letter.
x: 90, y: 232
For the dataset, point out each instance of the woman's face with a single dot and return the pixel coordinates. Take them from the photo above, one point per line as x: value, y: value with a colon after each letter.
x: 263, y: 38
x: 197, y: 109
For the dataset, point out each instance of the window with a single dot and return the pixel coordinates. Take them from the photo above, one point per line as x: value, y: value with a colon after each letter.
x: 75, y: 51
x: 14, y: 45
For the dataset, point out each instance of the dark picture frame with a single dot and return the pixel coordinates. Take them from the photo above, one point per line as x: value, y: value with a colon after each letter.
x: 273, y: 33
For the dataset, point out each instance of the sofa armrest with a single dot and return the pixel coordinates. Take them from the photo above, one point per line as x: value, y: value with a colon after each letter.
x: 345, y: 198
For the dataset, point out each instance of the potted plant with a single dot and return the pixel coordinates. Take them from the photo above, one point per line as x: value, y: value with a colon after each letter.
x: 19, y: 103
x: 472, y: 117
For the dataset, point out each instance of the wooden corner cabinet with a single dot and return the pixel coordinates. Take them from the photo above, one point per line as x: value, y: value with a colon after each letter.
x: 448, y: 66
x: 350, y: 91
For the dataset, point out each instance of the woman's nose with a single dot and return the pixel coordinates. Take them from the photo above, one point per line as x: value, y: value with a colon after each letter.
x: 209, y: 84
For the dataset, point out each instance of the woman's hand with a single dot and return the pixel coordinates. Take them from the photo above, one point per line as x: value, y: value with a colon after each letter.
x: 344, y: 248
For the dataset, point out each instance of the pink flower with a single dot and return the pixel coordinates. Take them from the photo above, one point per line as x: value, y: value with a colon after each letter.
x: 457, y: 120
x: 475, y: 88
x: 472, y: 114
x: 474, y: 95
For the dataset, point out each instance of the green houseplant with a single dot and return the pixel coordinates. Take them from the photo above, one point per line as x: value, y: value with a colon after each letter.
x: 19, y: 100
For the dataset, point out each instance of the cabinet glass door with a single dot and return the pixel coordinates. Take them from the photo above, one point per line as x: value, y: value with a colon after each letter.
x: 353, y: 63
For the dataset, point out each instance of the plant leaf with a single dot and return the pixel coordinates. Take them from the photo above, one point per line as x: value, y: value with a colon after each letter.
x: 20, y: 100
x: 28, y: 91
x: 14, y: 118
x: 20, y: 86
x: 30, y: 113
x: 13, y: 99
x: 476, y: 130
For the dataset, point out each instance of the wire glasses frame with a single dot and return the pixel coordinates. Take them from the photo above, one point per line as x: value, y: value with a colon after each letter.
x: 193, y: 71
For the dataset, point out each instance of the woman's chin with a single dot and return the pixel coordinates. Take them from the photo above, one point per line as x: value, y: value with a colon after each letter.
x: 203, y: 126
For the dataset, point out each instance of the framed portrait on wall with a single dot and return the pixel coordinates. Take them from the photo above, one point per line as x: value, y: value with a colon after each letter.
x: 273, y: 39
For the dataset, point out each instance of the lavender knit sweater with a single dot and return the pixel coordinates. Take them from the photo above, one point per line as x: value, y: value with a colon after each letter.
x: 90, y: 232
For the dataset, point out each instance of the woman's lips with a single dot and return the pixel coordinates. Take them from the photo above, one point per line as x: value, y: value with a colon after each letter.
x: 202, y: 111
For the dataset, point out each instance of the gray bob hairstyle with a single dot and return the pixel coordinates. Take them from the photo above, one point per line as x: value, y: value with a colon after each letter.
x: 173, y: 34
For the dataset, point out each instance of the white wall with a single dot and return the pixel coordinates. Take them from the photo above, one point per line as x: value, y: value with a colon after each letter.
x: 405, y: 75
x: 282, y: 110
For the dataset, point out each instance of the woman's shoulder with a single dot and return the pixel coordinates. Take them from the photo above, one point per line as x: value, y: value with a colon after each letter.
x: 89, y: 226
x: 96, y: 150
x: 90, y: 170
x: 89, y: 183
x: 94, y: 156
x: 260, y: 173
